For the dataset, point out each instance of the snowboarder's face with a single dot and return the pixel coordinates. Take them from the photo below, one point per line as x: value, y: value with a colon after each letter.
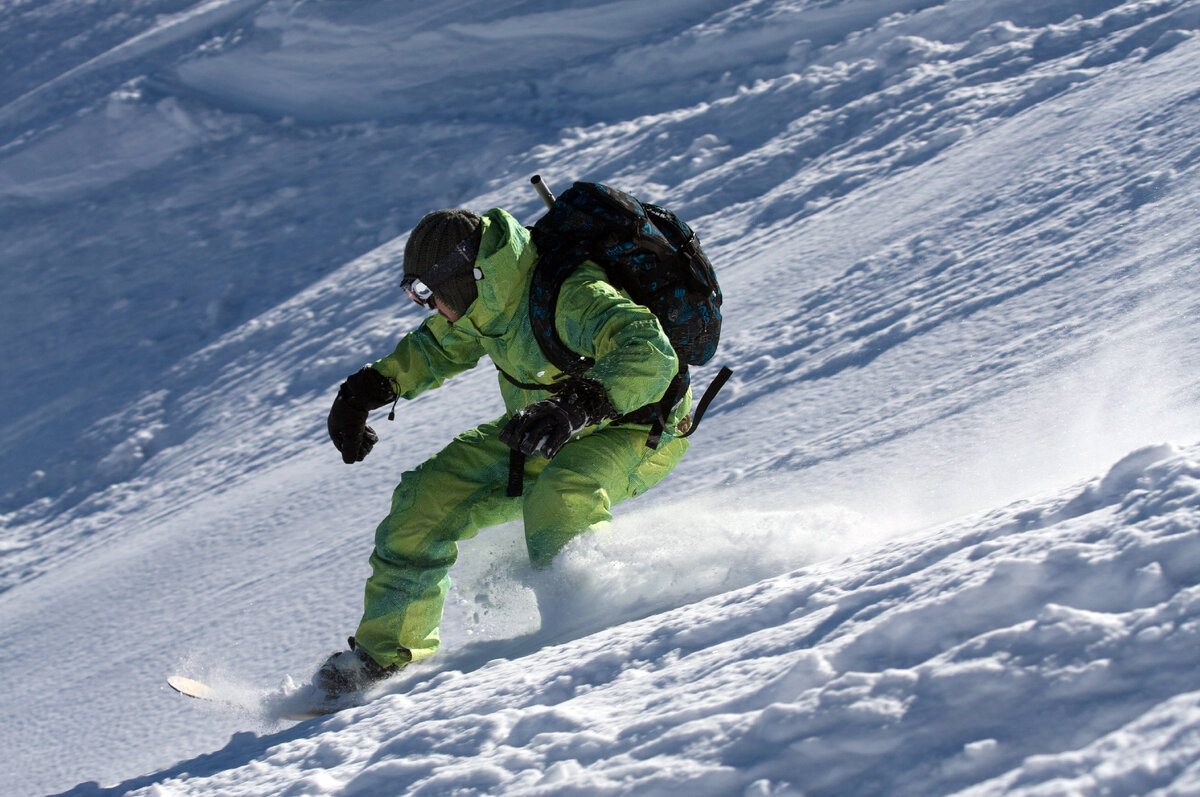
x: 422, y: 295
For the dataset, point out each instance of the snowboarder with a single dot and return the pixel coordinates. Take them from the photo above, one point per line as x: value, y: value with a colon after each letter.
x: 565, y: 451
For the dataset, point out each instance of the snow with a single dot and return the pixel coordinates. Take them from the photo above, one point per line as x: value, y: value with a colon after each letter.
x: 939, y: 535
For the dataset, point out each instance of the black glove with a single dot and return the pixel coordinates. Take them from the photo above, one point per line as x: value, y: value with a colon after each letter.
x: 363, y: 391
x: 546, y: 426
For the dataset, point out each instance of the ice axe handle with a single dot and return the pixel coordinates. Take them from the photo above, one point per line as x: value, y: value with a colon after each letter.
x: 543, y: 190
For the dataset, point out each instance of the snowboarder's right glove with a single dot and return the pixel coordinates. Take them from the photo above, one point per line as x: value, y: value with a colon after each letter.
x: 362, y: 392
x: 545, y: 426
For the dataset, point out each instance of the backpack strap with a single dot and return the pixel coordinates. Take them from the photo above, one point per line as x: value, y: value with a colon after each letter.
x: 654, y: 414
x: 710, y: 393
x: 516, y: 460
x: 551, y: 272
x: 516, y: 473
x: 552, y: 388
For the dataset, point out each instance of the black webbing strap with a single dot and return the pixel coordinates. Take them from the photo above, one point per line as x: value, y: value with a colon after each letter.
x: 710, y: 393
x: 553, y: 388
x: 516, y: 460
x: 657, y: 421
x: 516, y: 473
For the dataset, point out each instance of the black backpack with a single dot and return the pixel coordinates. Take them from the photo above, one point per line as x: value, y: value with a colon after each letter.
x: 645, y: 250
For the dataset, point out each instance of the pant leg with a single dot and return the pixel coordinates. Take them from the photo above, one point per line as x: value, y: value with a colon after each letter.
x: 446, y: 499
x: 462, y: 489
x: 578, y: 488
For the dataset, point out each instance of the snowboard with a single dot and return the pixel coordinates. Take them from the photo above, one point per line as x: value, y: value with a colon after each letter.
x: 289, y: 703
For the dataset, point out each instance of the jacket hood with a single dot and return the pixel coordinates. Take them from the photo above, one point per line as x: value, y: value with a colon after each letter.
x: 506, y: 259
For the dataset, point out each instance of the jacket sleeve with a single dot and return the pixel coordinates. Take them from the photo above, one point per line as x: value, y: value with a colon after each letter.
x: 428, y: 356
x: 634, y: 359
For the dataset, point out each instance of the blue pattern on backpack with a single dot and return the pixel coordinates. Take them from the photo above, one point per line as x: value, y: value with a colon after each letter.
x: 646, y: 250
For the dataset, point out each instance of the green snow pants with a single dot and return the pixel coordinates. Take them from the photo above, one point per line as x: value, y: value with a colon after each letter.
x: 462, y: 489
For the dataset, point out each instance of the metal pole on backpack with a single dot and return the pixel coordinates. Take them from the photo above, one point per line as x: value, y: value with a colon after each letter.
x: 543, y: 190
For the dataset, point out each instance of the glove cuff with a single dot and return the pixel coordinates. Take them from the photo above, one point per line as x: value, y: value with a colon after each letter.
x: 367, y: 389
x: 585, y: 401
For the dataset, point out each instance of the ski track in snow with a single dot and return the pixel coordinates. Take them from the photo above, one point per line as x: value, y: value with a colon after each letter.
x: 956, y: 242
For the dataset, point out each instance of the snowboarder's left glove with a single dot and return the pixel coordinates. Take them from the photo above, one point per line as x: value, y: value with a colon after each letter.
x: 361, y: 392
x: 546, y: 426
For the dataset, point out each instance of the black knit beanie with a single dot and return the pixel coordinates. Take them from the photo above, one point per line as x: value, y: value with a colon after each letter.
x: 434, y: 237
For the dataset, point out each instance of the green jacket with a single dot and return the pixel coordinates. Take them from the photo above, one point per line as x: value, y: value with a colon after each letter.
x: 634, y: 360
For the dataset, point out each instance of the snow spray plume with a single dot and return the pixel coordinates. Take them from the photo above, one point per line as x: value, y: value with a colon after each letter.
x: 645, y: 562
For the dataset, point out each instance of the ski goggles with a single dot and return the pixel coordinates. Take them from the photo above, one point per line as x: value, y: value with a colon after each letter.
x: 418, y: 291
x: 460, y: 259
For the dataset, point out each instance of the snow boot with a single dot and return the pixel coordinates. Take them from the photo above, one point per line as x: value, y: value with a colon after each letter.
x: 349, y: 671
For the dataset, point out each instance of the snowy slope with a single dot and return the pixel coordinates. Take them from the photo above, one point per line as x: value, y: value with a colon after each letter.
x: 1042, y: 649
x: 956, y: 243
